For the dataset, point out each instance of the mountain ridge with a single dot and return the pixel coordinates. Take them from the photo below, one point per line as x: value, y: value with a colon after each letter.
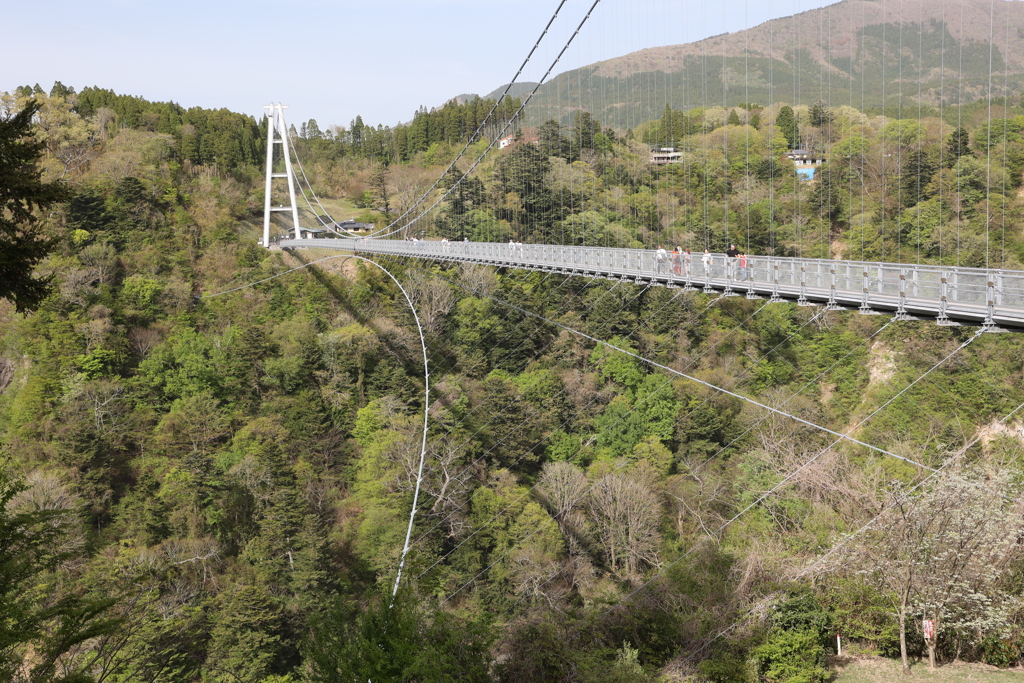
x: 864, y: 53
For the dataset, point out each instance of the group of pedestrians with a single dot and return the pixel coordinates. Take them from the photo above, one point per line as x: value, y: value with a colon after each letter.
x: 734, y: 255
x: 681, y: 260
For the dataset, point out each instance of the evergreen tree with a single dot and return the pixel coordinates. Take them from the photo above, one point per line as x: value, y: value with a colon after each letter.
x: 819, y: 115
x: 52, y: 626
x: 550, y: 141
x: 22, y: 195
x: 958, y: 144
x: 785, y: 122
x: 584, y: 129
x: 396, y: 640
x: 734, y: 119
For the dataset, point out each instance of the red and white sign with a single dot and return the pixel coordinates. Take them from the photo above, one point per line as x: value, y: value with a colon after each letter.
x: 929, y: 629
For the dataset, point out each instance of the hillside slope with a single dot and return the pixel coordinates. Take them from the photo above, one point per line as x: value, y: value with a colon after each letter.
x: 858, y: 52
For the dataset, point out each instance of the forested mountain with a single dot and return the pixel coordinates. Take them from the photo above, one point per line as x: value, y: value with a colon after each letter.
x: 863, y: 53
x: 206, y: 481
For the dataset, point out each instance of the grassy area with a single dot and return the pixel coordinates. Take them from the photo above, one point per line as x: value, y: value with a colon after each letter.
x: 341, y: 209
x: 879, y: 670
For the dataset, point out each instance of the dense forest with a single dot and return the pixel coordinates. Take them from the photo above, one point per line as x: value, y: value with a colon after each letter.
x: 199, y: 484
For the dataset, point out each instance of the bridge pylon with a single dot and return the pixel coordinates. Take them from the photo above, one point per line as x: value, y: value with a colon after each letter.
x: 277, y: 134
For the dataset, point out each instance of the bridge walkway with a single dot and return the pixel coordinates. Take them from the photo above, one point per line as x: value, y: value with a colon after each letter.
x: 950, y: 295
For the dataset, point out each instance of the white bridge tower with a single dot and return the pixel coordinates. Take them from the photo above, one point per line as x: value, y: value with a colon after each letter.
x: 277, y: 134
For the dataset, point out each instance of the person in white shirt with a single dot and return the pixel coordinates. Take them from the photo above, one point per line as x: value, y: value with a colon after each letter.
x: 660, y: 257
x: 708, y: 262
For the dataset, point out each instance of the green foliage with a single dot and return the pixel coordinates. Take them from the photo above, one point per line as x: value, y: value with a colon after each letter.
x: 792, y: 656
x: 38, y: 612
x: 395, y: 639
x: 1001, y: 652
x: 786, y: 123
x: 244, y: 464
x: 22, y: 196
x: 245, y: 641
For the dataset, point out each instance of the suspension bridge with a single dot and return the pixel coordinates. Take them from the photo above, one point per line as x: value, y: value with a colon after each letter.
x: 949, y: 295
x: 991, y: 298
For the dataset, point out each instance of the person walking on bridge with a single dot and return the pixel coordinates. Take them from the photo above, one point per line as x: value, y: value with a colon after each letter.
x: 676, y: 254
x: 708, y: 262
x: 730, y: 260
x: 660, y: 258
x: 687, y: 259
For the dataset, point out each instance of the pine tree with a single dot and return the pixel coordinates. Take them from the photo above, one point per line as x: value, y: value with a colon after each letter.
x: 22, y: 195
x: 734, y: 119
x: 958, y: 144
x: 786, y: 123
x: 819, y: 115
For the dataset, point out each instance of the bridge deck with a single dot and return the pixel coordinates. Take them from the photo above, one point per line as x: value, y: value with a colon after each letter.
x: 948, y: 294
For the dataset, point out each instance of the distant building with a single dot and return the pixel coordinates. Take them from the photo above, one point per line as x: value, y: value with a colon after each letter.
x: 351, y: 226
x: 314, y: 233
x: 525, y: 135
x: 806, y: 162
x: 330, y: 230
x: 661, y: 156
x: 803, y: 156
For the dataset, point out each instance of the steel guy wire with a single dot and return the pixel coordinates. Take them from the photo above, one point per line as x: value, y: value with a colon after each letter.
x: 526, y: 493
x: 735, y: 517
x: 848, y: 537
x: 959, y: 454
x: 790, y: 476
x: 710, y: 385
x: 479, y: 159
x: 792, y: 334
x: 578, y: 412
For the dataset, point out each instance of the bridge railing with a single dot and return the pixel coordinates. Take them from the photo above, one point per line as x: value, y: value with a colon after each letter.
x: 846, y: 282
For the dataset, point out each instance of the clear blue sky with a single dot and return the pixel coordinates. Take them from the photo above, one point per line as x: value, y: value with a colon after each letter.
x: 332, y: 60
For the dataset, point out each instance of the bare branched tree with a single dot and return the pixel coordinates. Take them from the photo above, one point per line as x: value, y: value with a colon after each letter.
x: 433, y: 299
x: 625, y: 514
x: 943, y: 554
x: 563, y: 489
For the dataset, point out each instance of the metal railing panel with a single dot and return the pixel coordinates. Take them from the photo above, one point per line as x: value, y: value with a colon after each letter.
x: 966, y: 292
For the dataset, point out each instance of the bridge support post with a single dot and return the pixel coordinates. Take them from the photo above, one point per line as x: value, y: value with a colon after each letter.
x: 865, y: 307
x: 730, y: 272
x: 833, y: 304
x: 688, y: 287
x: 750, y: 283
x: 276, y: 127
x: 775, y: 298
x: 901, y: 309
x: 942, y: 319
x: 802, y: 299
x: 991, y: 298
